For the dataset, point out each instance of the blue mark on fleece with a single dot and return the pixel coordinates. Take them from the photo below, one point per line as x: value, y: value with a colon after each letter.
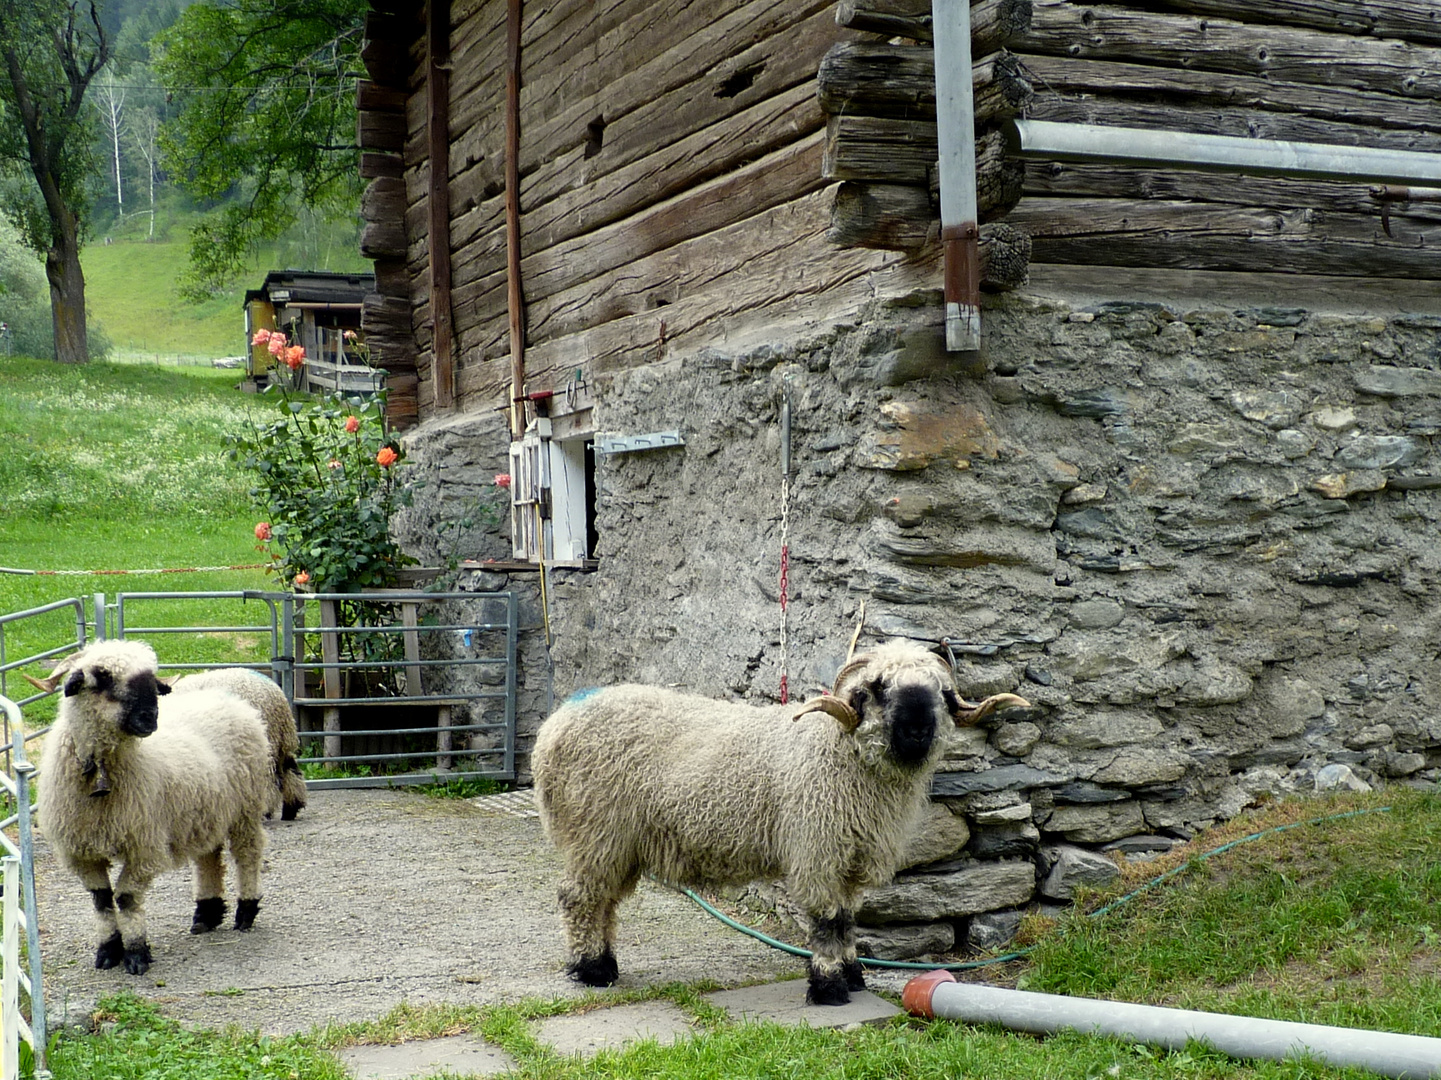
x: 580, y: 695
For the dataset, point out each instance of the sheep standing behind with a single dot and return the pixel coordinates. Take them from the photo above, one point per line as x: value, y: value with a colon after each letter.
x: 262, y: 692
x: 147, y: 783
x: 638, y: 779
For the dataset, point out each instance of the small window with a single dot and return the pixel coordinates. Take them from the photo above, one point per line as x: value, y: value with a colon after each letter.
x: 552, y: 501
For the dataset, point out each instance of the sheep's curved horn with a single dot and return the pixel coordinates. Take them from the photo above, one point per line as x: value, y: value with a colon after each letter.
x: 831, y: 706
x: 967, y: 713
x: 47, y: 685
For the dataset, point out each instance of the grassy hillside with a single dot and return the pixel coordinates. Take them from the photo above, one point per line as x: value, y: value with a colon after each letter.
x: 131, y: 291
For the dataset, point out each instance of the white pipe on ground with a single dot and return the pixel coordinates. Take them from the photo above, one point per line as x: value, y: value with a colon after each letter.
x: 1406, y: 1057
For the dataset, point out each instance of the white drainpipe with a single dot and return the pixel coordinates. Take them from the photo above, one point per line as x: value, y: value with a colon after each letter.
x: 1407, y: 1057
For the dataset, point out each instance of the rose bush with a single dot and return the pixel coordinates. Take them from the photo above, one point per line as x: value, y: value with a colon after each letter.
x: 326, y: 480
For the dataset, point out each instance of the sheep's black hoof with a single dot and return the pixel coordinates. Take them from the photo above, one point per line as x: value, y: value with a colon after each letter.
x: 137, y: 958
x: 289, y: 810
x: 599, y: 970
x: 245, y: 912
x: 828, y: 989
x: 110, y: 952
x: 209, y: 913
x: 855, y: 975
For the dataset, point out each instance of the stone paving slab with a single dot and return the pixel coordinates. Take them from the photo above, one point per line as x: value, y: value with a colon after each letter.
x: 463, y: 1054
x: 785, y: 1003
x: 609, y: 1029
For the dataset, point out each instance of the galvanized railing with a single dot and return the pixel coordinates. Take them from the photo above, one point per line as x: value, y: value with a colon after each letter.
x: 19, y: 925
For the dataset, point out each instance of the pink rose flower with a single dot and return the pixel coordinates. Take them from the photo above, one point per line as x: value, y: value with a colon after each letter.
x: 262, y: 531
x: 352, y: 424
x: 502, y: 479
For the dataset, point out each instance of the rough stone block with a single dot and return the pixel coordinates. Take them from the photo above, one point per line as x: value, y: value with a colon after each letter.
x: 1074, y: 867
x: 918, y: 898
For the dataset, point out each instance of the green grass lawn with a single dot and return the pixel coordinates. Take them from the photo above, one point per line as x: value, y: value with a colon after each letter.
x: 131, y: 291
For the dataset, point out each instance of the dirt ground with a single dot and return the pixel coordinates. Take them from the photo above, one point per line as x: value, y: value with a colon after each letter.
x: 373, y: 898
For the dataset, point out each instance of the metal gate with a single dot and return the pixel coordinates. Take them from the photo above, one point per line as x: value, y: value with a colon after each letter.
x: 388, y: 687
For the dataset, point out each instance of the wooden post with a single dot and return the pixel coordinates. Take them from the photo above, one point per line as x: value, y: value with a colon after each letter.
x: 330, y: 654
x: 437, y: 80
x: 956, y: 135
x: 409, y: 618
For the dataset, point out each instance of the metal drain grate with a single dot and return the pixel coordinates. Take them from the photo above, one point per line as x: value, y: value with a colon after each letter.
x: 519, y: 803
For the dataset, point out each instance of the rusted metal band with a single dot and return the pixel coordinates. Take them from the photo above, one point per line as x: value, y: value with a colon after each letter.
x: 962, y: 278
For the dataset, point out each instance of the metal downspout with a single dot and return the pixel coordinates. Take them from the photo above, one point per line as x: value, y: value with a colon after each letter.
x: 956, y: 134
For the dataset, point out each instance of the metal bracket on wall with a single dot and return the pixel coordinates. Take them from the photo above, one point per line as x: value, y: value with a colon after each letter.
x: 626, y: 444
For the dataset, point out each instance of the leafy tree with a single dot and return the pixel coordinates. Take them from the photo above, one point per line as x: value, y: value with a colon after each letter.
x: 50, y: 51
x: 267, y: 120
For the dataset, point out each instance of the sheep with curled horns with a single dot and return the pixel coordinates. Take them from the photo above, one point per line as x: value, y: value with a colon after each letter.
x: 638, y: 779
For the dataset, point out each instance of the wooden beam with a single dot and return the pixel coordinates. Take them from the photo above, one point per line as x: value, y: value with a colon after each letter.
x: 1289, y: 54
x: 1411, y: 20
x: 899, y: 81
x: 515, y: 294
x: 437, y: 81
x: 1206, y: 236
x: 993, y: 22
x: 374, y: 164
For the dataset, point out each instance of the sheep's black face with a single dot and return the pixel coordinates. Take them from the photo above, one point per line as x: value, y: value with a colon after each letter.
x: 136, y: 700
x: 911, y: 717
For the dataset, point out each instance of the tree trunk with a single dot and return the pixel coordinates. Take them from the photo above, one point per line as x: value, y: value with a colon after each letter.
x: 67, y: 295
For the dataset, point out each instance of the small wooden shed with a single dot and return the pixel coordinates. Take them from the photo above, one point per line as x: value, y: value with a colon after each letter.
x: 314, y: 308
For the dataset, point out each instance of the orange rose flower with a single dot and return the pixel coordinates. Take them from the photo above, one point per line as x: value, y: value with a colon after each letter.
x: 302, y: 577
x: 386, y: 458
x: 352, y: 424
x: 262, y: 530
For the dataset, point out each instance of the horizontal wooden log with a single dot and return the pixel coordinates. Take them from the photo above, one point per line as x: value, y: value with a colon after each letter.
x: 383, y: 200
x: 392, y: 278
x: 1104, y: 32
x: 381, y: 131
x: 897, y: 217
x: 386, y: 316
x: 1205, y: 236
x: 373, y: 164
x: 372, y: 97
x: 386, y: 55
x: 1056, y: 179
x: 899, y: 81
x: 1060, y: 77
x: 874, y: 148
x: 383, y: 239
x: 993, y: 22
x: 1410, y: 20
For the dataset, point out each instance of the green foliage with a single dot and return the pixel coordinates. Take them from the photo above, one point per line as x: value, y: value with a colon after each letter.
x: 267, y: 93
x: 325, y: 478
x: 51, y: 48
x: 24, y: 298
x: 137, y: 1043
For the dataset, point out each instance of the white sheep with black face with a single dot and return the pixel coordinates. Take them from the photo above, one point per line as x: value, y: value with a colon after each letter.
x: 639, y: 779
x: 134, y: 779
x: 262, y: 692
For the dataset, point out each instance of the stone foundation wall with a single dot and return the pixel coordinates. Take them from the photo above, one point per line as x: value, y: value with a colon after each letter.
x: 1202, y: 541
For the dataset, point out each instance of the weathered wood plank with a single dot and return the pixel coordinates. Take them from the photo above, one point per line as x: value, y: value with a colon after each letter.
x: 373, y: 165
x: 899, y: 217
x: 1208, y: 236
x: 774, y: 180
x: 1055, y: 179
x: 380, y: 131
x: 437, y: 84
x: 1412, y: 20
x: 1061, y: 76
x: 993, y: 22
x: 1105, y: 32
x: 1243, y: 123
x: 371, y: 96
x: 383, y: 239
x: 899, y: 81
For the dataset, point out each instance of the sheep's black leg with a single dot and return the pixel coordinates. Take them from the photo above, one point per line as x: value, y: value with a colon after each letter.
x: 831, y: 977
x: 137, y: 949
x: 599, y: 970
x: 245, y: 911
x: 209, y: 913
x: 110, y: 952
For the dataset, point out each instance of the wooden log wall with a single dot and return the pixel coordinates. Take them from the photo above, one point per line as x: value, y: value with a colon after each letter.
x: 880, y: 101
x: 393, y: 31
x: 1325, y: 71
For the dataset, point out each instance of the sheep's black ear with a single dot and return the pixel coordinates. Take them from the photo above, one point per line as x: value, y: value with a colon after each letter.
x: 162, y: 687
x: 75, y: 683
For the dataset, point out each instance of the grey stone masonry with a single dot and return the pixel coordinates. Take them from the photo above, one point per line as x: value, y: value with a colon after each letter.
x: 1199, y: 538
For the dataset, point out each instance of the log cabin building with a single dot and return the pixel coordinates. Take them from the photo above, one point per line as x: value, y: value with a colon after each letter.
x: 1184, y: 498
